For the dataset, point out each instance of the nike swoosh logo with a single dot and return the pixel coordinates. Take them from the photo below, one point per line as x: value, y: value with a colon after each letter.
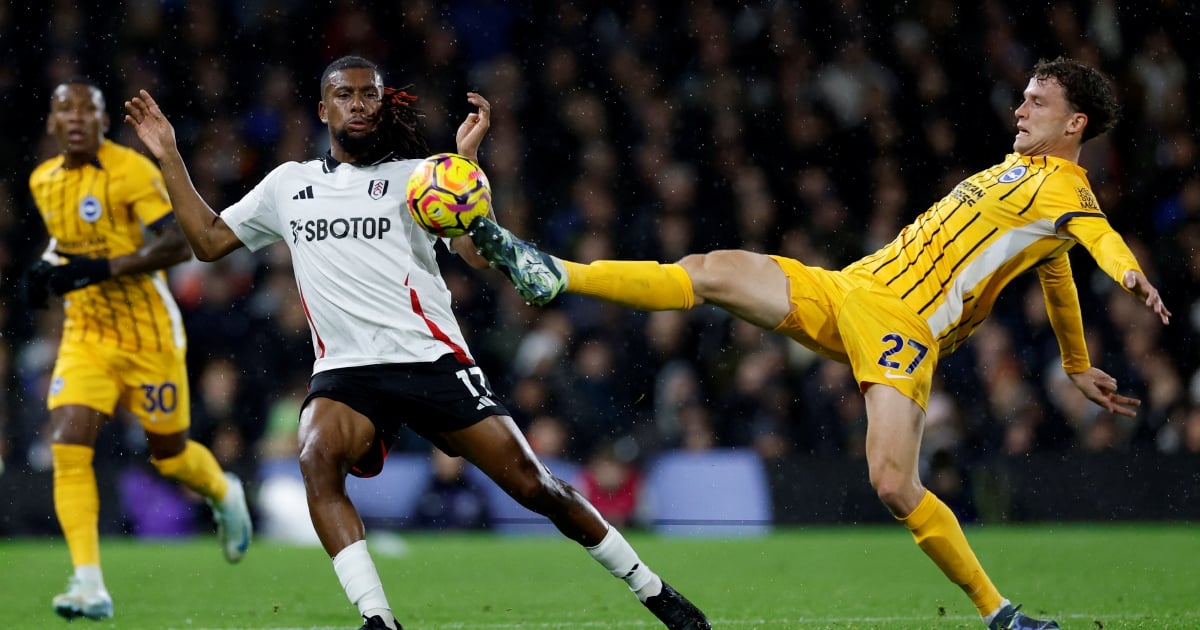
x: 893, y: 375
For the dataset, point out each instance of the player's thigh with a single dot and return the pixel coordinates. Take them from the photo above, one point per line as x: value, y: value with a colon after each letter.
x: 84, y: 376
x: 496, y: 446
x: 154, y: 388
x: 332, y: 429
x: 894, y: 427
x: 887, y: 343
x: 814, y: 299
x: 748, y: 285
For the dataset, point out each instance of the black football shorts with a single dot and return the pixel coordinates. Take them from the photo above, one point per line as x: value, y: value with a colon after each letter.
x: 429, y: 398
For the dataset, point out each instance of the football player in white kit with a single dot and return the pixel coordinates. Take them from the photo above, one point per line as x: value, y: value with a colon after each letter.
x: 389, y: 350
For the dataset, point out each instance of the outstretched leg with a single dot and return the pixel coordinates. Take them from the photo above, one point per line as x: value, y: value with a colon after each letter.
x: 497, y: 448
x: 894, y: 427
x: 747, y: 284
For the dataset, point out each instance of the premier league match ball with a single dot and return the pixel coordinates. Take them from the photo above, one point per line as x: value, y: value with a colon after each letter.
x: 446, y: 192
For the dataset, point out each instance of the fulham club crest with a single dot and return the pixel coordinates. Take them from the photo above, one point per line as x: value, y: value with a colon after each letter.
x: 377, y: 188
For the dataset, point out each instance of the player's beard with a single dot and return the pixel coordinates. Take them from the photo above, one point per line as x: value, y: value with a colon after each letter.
x: 366, y: 148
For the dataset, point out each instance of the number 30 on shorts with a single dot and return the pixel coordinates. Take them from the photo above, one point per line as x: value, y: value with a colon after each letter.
x: 896, y: 343
x: 163, y: 397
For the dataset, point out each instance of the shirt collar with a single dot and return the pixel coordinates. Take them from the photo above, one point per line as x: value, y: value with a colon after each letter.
x: 331, y: 163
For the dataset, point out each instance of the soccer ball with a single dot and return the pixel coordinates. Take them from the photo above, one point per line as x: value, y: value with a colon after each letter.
x: 446, y: 192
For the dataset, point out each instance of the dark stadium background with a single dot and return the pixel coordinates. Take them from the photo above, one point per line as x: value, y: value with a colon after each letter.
x: 650, y: 130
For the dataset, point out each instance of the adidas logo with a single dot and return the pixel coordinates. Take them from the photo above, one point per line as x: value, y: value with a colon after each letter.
x: 307, y: 193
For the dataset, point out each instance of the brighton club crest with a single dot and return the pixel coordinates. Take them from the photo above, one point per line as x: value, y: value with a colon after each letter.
x: 377, y: 188
x: 1013, y: 174
x: 90, y: 209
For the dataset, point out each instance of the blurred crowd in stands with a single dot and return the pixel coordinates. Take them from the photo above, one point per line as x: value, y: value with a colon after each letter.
x: 651, y: 129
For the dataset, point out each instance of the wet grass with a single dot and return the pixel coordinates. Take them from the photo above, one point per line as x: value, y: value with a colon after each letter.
x: 1086, y: 576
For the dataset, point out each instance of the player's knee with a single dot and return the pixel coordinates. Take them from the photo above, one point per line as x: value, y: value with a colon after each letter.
x: 541, y: 492
x: 897, y: 492
x: 320, y: 462
x: 708, y: 273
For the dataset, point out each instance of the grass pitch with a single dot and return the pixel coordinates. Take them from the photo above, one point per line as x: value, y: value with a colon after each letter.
x: 1086, y: 576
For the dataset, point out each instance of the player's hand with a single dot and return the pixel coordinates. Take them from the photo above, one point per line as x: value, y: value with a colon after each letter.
x: 151, y: 125
x: 474, y: 127
x: 1101, y: 389
x: 1137, y: 284
x: 34, y: 291
x: 77, y: 273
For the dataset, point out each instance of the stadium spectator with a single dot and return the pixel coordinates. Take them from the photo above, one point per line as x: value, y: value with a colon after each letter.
x: 123, y: 343
x: 451, y: 500
x: 216, y: 409
x: 1191, y: 429
x: 613, y: 484
x: 388, y: 342
x: 696, y: 428
x: 548, y: 437
x: 892, y: 314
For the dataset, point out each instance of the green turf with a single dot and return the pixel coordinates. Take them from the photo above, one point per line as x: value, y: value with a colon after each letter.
x: 1087, y: 576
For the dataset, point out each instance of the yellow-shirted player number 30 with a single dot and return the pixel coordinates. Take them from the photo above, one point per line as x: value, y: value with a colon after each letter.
x: 162, y: 397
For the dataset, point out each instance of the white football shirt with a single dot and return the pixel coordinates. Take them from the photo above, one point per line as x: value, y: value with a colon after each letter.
x: 368, y: 275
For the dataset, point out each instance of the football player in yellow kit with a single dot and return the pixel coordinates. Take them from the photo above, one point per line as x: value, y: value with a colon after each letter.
x: 892, y: 314
x: 123, y: 341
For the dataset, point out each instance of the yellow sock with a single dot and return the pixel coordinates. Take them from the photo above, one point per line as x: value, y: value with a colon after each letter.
x: 938, y: 534
x: 77, y: 502
x: 197, y: 469
x: 641, y: 284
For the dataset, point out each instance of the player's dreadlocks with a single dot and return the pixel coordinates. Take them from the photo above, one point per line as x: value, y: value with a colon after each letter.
x: 399, y: 121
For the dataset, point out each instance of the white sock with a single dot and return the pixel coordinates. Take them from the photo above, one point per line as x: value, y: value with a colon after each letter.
x: 615, y: 554
x: 356, y: 571
x: 90, y: 573
x: 988, y: 619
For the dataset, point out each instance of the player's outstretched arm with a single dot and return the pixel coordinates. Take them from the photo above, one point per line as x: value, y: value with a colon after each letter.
x: 207, y: 234
x: 1137, y: 284
x: 467, y: 140
x: 1109, y: 251
x: 1101, y: 389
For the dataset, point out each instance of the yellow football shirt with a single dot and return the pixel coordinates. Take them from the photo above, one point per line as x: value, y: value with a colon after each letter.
x: 101, y: 210
x: 951, y: 263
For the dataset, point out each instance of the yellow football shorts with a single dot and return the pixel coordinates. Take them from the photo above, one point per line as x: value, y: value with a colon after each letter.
x: 853, y: 318
x: 151, y: 385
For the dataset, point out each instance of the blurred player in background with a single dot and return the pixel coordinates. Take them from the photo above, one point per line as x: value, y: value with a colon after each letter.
x: 892, y: 314
x: 112, y: 233
x: 389, y: 349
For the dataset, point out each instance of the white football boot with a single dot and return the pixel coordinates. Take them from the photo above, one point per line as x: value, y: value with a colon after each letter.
x: 233, y: 520
x: 84, y: 598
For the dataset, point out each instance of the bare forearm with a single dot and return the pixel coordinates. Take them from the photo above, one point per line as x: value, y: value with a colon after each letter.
x: 168, y: 247
x: 206, y: 233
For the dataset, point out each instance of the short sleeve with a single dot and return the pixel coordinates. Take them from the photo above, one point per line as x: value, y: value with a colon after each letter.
x: 254, y: 218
